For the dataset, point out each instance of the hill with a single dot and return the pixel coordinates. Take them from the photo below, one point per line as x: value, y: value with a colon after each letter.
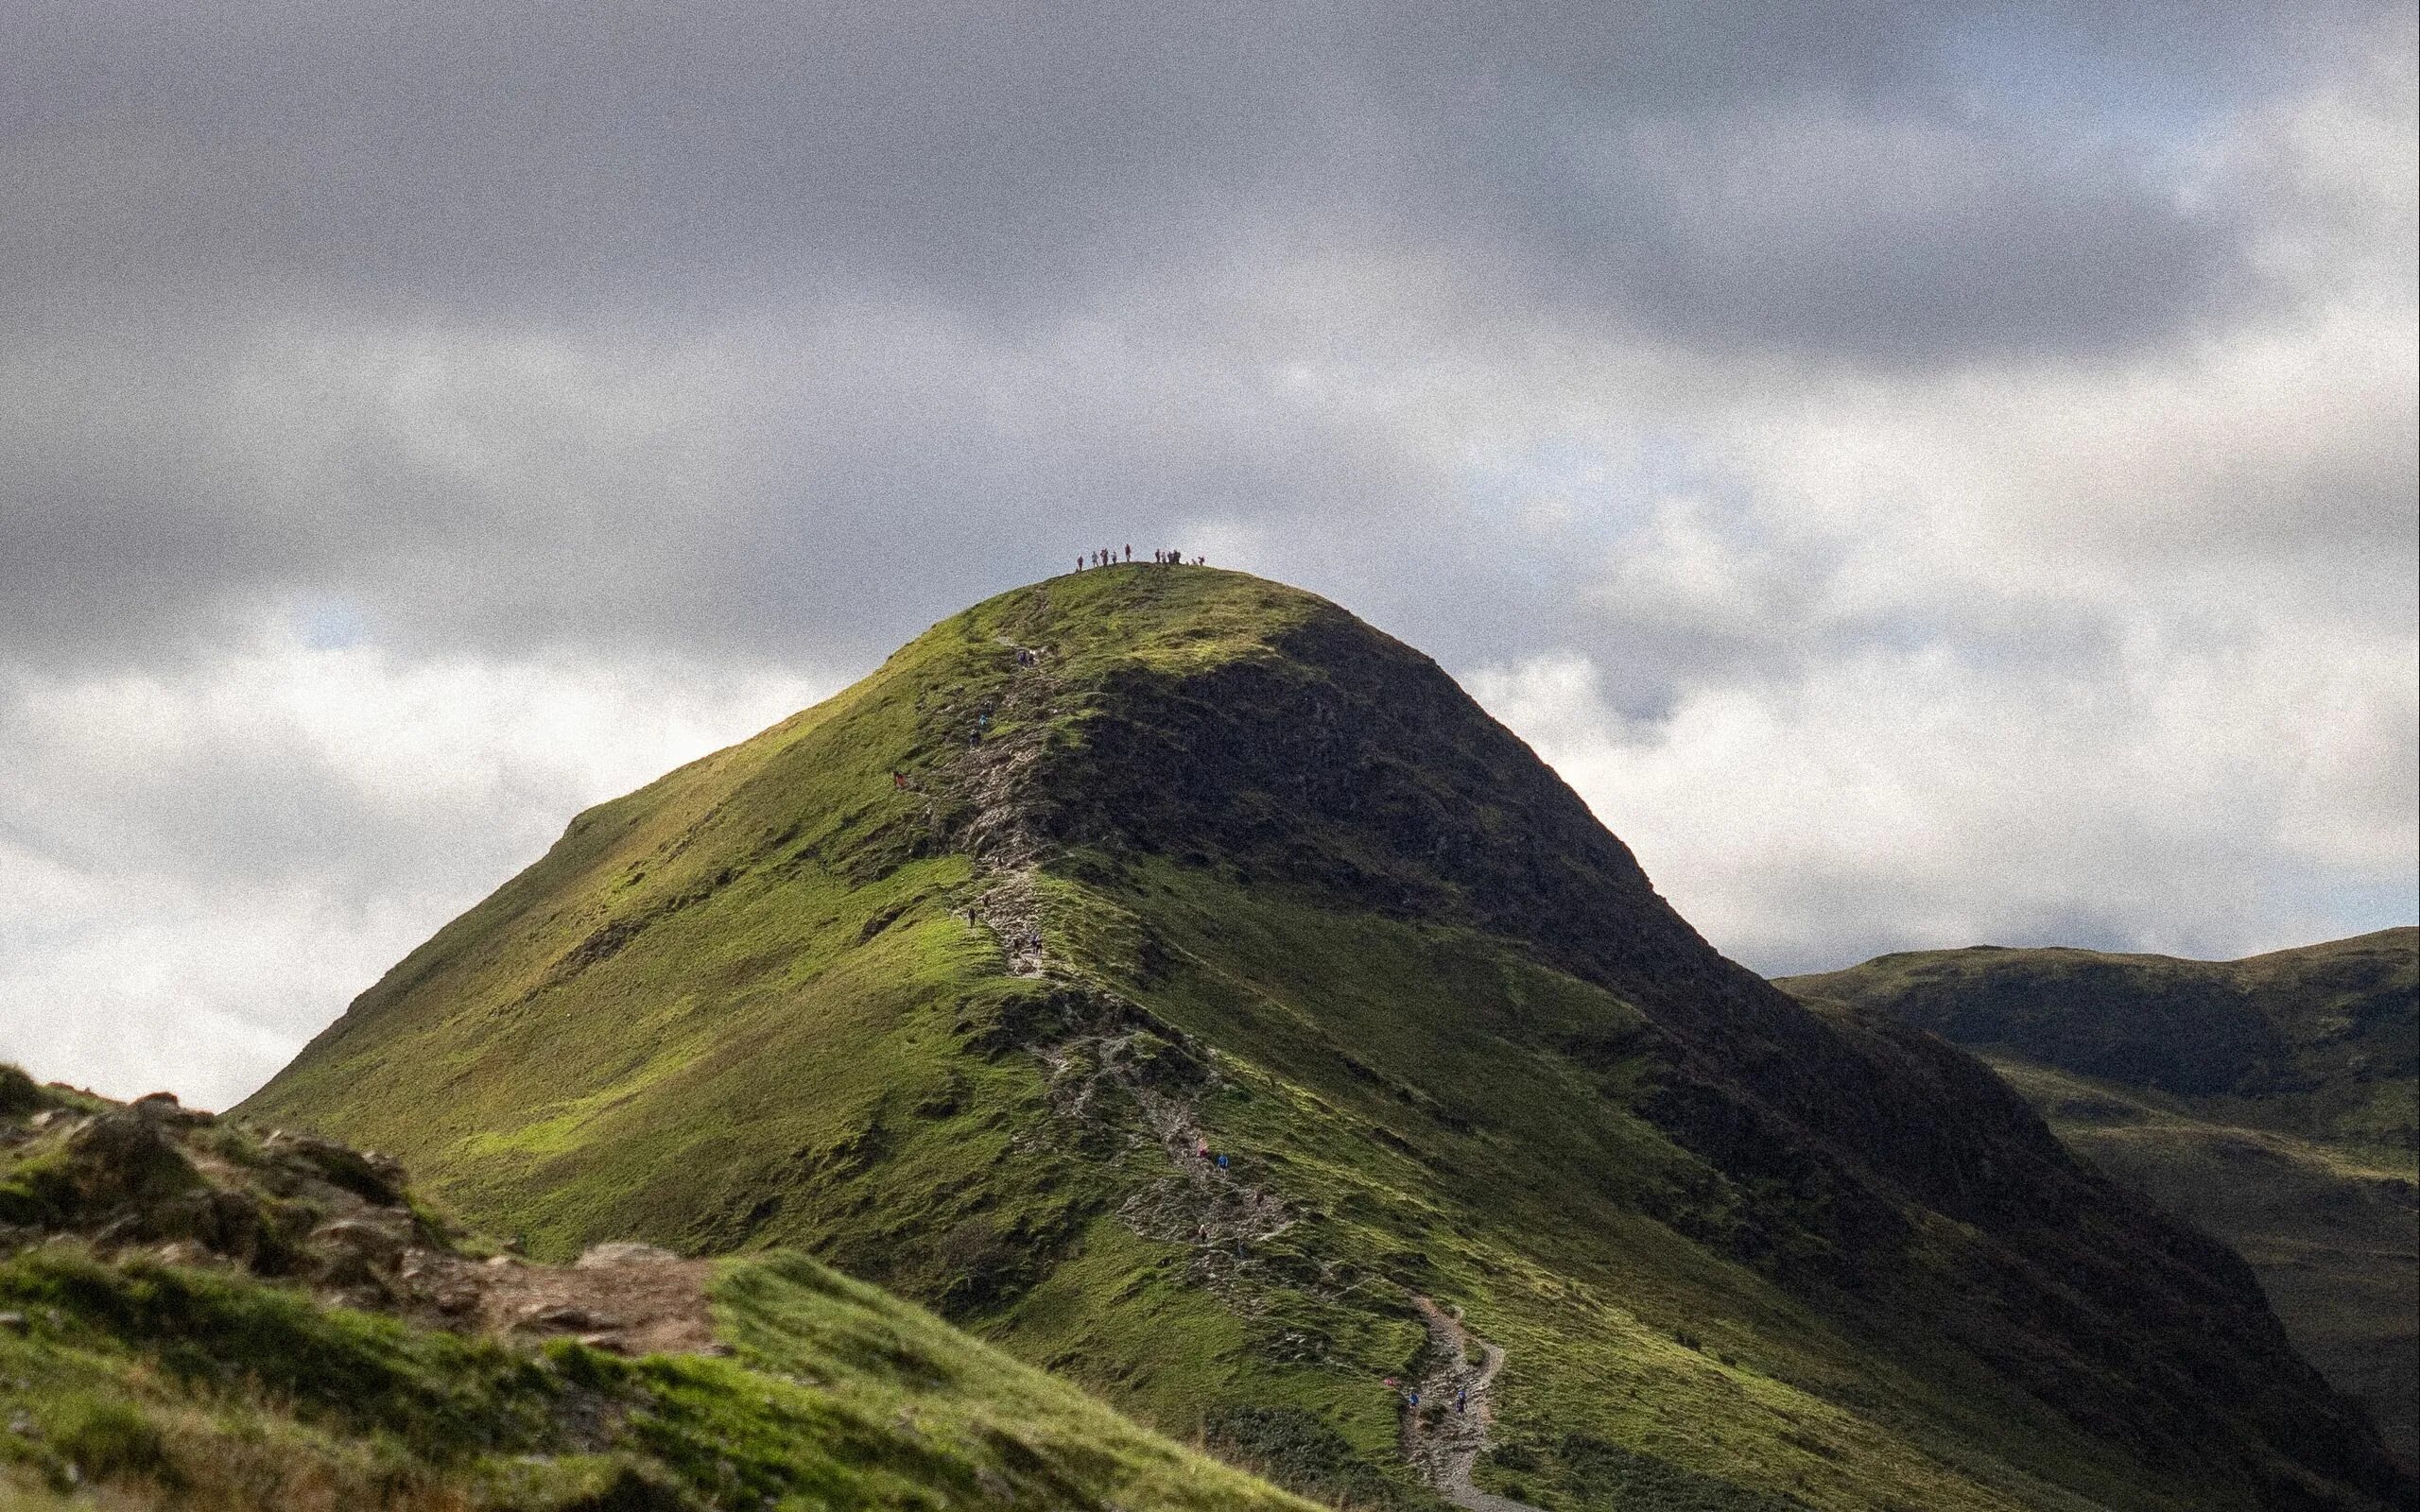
x: 2269, y: 1101
x: 953, y: 979
x: 199, y: 1313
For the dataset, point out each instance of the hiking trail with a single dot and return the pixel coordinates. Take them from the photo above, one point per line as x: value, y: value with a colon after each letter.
x: 998, y: 836
x: 1442, y: 1443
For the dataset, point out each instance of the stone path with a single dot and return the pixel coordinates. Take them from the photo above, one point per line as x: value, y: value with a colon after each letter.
x: 1443, y: 1443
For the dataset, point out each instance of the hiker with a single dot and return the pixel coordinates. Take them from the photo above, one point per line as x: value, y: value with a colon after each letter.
x: 1202, y: 1149
x: 898, y: 778
x: 1222, y: 1162
x: 1130, y: 551
x: 1462, y: 1399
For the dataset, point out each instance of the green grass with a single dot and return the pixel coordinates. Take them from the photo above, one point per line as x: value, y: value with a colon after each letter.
x: 1412, y: 992
x: 2322, y: 1044
x: 181, y: 1387
x: 2269, y: 1101
x: 155, y: 1352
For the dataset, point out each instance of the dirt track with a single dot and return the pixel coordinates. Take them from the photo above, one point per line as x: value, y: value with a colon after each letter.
x: 1445, y: 1443
x: 628, y: 1298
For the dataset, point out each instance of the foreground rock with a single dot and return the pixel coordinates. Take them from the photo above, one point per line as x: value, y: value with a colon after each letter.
x: 195, y: 1313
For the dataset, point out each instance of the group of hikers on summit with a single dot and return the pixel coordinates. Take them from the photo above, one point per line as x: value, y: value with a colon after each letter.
x: 1108, y: 557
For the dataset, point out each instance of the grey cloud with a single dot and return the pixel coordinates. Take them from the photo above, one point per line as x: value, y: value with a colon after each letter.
x: 816, y: 259
x: 503, y: 161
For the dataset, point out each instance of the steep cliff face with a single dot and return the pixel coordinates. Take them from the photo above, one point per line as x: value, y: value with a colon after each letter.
x: 2269, y: 1101
x: 953, y: 978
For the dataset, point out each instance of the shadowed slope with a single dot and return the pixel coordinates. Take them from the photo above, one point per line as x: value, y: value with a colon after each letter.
x: 2270, y: 1101
x: 1297, y: 898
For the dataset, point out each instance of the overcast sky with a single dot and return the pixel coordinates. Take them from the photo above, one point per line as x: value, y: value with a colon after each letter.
x: 1927, y: 473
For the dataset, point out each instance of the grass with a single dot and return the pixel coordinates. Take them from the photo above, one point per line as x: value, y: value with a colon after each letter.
x: 2322, y: 1044
x: 1386, y: 963
x: 181, y: 1387
x: 2269, y: 1101
x: 151, y: 1360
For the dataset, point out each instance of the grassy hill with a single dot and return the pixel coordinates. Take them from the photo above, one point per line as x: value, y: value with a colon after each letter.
x: 2270, y: 1101
x: 195, y: 1313
x: 948, y: 980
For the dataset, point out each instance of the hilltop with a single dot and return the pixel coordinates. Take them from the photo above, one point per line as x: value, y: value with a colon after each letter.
x: 2270, y: 1101
x: 196, y: 1312
x: 952, y: 979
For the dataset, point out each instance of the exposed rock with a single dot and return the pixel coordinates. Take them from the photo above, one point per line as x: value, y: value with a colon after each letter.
x: 624, y: 1252
x: 122, y: 1157
x: 357, y: 1251
x: 370, y: 1176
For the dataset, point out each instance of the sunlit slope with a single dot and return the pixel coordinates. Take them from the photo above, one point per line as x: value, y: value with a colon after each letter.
x: 1300, y: 899
x: 193, y: 1315
x: 2268, y: 1100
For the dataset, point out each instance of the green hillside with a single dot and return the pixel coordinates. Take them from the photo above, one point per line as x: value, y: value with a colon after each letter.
x: 198, y: 1315
x: 2270, y: 1101
x: 1181, y: 858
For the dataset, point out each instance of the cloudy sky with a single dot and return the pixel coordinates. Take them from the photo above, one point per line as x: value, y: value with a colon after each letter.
x: 1927, y: 473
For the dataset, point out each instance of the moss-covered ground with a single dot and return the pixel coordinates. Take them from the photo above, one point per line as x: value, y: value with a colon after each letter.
x: 146, y: 1384
x: 162, y: 1347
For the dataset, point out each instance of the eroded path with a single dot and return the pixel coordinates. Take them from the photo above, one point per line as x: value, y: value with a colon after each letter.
x: 626, y: 1298
x: 1442, y: 1442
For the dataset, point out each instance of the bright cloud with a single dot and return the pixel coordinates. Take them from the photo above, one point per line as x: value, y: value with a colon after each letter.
x: 201, y: 867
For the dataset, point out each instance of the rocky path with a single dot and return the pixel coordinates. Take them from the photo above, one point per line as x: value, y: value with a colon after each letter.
x: 1443, y: 1443
x: 627, y: 1297
x: 1002, y: 844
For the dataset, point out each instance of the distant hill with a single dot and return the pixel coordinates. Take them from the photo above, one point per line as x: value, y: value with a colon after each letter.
x: 195, y: 1312
x: 2270, y: 1101
x: 1191, y: 989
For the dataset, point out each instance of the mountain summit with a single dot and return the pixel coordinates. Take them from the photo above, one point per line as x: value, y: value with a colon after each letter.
x: 1191, y: 988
